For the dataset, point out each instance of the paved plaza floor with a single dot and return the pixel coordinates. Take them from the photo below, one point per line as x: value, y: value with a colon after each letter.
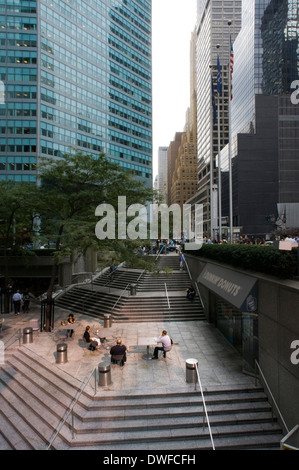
x: 219, y: 364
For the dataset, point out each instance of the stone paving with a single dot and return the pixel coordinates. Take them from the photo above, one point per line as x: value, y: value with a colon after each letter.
x: 220, y: 365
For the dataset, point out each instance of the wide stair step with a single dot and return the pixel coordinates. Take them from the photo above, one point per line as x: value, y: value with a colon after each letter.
x: 35, y: 397
x: 159, y: 297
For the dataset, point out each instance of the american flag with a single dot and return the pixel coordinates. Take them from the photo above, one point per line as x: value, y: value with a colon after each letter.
x: 231, y: 67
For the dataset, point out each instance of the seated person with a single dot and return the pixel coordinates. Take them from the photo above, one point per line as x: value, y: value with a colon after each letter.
x: 190, y: 293
x: 118, y: 350
x: 166, y: 344
x: 93, y: 341
x: 70, y: 319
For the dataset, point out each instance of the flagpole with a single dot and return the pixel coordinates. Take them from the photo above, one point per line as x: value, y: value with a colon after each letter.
x: 219, y: 159
x: 211, y: 156
x: 230, y: 140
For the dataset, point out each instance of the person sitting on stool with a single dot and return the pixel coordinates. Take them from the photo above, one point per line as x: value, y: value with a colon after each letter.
x: 88, y: 339
x: 118, y: 350
x: 166, y: 344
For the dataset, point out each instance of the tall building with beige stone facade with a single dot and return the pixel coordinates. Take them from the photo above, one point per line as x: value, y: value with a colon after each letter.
x: 182, y: 175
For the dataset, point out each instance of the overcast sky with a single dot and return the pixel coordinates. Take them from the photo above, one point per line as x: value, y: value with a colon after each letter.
x: 172, y: 24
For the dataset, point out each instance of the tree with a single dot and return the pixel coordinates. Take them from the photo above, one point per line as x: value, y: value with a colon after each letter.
x: 17, y: 217
x: 70, y: 189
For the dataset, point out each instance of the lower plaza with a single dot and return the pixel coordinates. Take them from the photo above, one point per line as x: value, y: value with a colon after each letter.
x: 145, y: 405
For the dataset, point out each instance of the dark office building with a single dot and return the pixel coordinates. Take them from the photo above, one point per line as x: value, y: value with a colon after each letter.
x: 266, y: 170
x: 280, y: 46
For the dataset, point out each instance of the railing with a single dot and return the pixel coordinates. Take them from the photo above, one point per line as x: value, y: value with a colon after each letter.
x: 120, y: 297
x: 271, y: 395
x: 167, y: 295
x: 205, y: 413
x: 159, y: 252
x: 71, y: 409
x: 16, y: 336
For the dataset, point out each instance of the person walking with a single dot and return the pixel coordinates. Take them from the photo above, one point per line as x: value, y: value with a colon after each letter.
x: 17, y: 302
x: 182, y: 261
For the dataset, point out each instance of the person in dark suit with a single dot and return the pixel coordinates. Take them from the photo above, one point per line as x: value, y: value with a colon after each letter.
x: 118, y: 350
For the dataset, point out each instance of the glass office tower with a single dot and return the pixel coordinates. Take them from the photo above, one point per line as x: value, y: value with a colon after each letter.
x: 77, y: 75
x: 212, y: 31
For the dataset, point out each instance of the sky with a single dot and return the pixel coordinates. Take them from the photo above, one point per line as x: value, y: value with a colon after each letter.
x: 172, y: 24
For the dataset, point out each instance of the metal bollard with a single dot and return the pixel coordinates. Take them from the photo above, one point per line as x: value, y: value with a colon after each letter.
x: 133, y: 289
x: 27, y: 335
x: 191, y: 374
x: 104, y: 374
x: 61, y: 354
x: 107, y: 321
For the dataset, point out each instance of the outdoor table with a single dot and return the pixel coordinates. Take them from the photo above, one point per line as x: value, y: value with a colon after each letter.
x: 96, y: 334
x: 69, y: 326
x: 147, y: 341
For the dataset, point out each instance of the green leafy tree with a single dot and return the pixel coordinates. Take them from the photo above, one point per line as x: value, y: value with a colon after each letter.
x: 17, y: 218
x: 70, y: 190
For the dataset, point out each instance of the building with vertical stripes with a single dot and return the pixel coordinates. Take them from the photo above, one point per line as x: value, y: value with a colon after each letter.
x: 76, y: 74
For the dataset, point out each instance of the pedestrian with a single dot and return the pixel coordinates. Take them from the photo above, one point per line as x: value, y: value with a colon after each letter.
x: 26, y: 301
x: 182, y: 261
x: 17, y: 302
x: 166, y: 344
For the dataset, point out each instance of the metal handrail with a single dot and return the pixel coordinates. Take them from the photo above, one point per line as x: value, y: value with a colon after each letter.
x: 70, y: 410
x: 159, y: 252
x: 167, y: 294
x: 205, y: 408
x: 15, y: 333
x: 271, y: 395
x: 120, y: 297
x: 141, y: 274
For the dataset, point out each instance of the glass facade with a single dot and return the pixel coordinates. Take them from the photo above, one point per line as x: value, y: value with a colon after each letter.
x: 77, y: 75
x: 266, y: 63
x: 280, y: 27
x: 212, y: 30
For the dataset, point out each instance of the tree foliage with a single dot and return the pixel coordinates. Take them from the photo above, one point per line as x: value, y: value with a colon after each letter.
x: 60, y: 209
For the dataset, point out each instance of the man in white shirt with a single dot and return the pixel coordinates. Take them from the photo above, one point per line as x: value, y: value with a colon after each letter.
x: 166, y: 344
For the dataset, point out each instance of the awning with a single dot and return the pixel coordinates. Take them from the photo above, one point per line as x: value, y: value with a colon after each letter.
x: 238, y: 289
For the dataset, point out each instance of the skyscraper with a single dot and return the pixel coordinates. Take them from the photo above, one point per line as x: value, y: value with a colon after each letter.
x: 212, y: 30
x: 162, y: 172
x: 77, y: 75
x: 265, y: 163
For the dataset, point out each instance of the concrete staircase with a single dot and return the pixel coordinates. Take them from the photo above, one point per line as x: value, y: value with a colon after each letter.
x: 159, y: 297
x: 34, y: 398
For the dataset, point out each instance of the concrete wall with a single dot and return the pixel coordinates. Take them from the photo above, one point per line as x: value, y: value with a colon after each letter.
x: 278, y: 324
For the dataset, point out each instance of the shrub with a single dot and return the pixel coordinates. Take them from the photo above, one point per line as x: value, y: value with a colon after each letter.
x: 260, y: 258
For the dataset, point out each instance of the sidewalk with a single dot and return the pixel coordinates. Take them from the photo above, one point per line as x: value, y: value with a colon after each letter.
x: 219, y: 364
